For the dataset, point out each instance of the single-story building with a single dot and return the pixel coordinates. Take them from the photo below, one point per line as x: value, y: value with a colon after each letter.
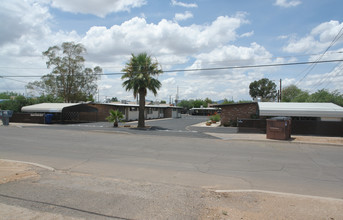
x: 307, y: 118
x: 90, y: 112
x: 130, y: 111
x: 203, y: 111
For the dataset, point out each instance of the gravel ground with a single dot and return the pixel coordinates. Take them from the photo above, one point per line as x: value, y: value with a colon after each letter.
x: 41, y: 194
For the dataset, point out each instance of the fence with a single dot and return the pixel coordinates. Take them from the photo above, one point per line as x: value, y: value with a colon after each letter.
x: 299, y: 127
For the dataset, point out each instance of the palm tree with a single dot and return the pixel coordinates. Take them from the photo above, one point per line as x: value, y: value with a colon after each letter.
x: 139, y: 77
x: 115, y: 117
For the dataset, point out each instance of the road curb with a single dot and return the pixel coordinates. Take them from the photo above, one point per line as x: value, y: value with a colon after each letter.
x: 280, y: 194
x: 275, y: 141
x: 29, y: 163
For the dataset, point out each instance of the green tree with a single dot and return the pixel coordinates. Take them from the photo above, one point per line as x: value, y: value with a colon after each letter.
x: 17, y: 103
x: 115, y: 117
x: 140, y: 73
x: 199, y: 102
x: 8, y: 95
x: 208, y: 101
x: 163, y: 102
x: 114, y: 99
x: 264, y: 88
x: 326, y: 96
x: 185, y: 104
x: 69, y: 78
x: 226, y: 101
x: 292, y: 93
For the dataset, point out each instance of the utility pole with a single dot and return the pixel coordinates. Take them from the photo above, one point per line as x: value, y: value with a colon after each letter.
x: 177, y: 96
x: 280, y: 89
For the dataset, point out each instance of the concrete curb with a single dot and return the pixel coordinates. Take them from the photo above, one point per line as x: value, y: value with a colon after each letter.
x: 230, y: 138
x: 279, y: 194
x: 29, y: 163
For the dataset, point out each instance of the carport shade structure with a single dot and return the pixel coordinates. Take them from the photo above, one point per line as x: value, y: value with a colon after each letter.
x: 292, y: 109
x: 59, y: 108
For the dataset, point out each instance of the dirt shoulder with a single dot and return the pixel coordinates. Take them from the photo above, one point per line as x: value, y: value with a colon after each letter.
x: 263, y: 205
x: 13, y: 171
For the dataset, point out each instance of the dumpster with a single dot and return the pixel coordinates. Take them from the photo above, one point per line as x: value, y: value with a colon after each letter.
x: 279, y: 128
x: 5, y: 116
x: 48, y: 118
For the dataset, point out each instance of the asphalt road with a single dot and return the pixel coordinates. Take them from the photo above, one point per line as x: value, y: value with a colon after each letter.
x: 181, y: 158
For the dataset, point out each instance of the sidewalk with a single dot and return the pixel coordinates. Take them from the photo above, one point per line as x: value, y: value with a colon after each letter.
x: 295, y: 138
x: 262, y: 137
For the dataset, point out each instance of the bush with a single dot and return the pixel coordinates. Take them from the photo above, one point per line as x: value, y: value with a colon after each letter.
x: 215, y: 117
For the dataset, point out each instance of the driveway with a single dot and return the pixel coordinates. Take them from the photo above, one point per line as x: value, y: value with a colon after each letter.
x: 179, y: 127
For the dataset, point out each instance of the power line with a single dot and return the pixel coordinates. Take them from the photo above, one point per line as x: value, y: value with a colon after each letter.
x: 207, y: 69
x: 337, y: 37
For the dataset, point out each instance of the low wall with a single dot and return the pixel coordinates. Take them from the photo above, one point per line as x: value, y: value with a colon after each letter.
x: 37, y: 118
x: 299, y: 127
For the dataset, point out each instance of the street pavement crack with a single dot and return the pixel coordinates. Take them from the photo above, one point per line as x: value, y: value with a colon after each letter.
x: 62, y: 206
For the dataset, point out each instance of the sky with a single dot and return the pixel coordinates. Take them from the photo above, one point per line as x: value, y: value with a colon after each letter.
x: 180, y: 35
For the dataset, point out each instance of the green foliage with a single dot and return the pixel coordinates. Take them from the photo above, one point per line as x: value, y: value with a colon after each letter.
x: 8, y: 95
x: 185, y: 104
x: 244, y: 101
x: 231, y: 123
x: 198, y: 103
x: 325, y: 96
x: 114, y: 99
x: 17, y: 103
x: 115, y: 117
x: 140, y: 73
x: 69, y: 78
x: 215, y: 117
x: 226, y: 101
x: 294, y: 94
x: 188, y: 104
x: 20, y: 101
x: 264, y: 88
x: 163, y: 102
x: 208, y: 101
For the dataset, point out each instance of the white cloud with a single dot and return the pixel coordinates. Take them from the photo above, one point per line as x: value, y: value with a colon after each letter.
x: 184, y: 16
x: 230, y: 55
x: 166, y: 39
x: 182, y: 4
x: 287, y: 3
x: 317, y: 40
x: 97, y: 7
x: 248, y: 34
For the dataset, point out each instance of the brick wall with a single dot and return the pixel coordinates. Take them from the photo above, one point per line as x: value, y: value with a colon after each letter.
x: 232, y: 112
x: 168, y: 113
x: 103, y: 111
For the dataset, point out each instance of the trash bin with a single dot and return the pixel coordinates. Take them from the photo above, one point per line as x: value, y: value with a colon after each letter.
x: 48, y: 118
x: 5, y: 116
x: 279, y: 128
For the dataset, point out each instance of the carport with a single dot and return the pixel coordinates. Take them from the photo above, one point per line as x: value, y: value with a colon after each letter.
x: 64, y: 112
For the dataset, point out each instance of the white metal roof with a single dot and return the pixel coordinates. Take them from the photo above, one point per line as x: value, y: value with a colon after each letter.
x: 204, y: 108
x: 297, y: 109
x: 147, y: 106
x: 47, y: 107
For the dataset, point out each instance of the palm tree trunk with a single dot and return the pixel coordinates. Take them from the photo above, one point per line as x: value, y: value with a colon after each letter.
x: 141, y: 118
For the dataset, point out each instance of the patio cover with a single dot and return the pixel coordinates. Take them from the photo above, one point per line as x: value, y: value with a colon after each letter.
x: 295, y: 109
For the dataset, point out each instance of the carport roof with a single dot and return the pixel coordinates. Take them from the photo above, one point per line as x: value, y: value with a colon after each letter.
x: 300, y: 109
x: 48, y: 107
